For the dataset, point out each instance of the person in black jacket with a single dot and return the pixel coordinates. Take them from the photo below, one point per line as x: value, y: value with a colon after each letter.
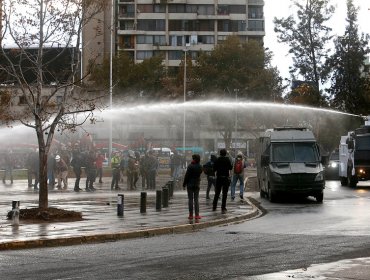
x: 77, y: 163
x: 192, y: 182
x: 210, y: 172
x: 222, y: 167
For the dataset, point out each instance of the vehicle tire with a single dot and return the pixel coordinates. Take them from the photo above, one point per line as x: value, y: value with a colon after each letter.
x: 319, y: 197
x: 262, y: 194
x: 271, y: 195
x: 351, y: 180
x: 343, y: 181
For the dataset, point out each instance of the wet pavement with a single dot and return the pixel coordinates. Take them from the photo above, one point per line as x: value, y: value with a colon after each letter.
x: 99, y: 212
x: 101, y: 223
x: 352, y: 269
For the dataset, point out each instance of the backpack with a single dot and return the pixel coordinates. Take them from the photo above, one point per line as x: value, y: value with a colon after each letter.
x: 208, y: 168
x: 238, y: 166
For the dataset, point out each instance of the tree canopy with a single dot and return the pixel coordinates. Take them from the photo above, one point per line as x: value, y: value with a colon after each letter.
x: 349, y: 86
x: 242, y: 66
x: 307, y: 36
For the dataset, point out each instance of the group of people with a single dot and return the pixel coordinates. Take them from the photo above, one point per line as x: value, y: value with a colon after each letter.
x: 221, y: 172
x: 59, y: 163
x: 145, y: 166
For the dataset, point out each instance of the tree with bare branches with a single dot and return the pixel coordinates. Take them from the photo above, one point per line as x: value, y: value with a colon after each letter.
x: 40, y: 58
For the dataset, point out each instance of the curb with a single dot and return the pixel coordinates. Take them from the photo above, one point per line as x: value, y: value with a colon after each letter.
x: 256, y: 212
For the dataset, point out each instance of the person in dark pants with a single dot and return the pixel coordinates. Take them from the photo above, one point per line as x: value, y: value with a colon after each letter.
x: 192, y: 182
x: 99, y: 166
x: 152, y: 170
x: 210, y: 172
x: 77, y: 163
x: 143, y: 171
x: 90, y: 171
x: 222, y: 167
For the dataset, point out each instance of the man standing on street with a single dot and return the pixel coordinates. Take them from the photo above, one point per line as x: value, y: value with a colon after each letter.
x: 222, y: 167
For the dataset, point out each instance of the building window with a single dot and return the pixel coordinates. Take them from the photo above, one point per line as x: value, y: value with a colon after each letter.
x: 256, y: 25
x: 206, y: 39
x: 255, y: 12
x: 205, y: 25
x: 237, y: 9
x: 206, y: 9
x: 142, y: 39
x: 176, y: 8
x: 151, y: 24
x: 148, y: 8
x: 141, y: 55
x: 159, y: 40
x: 126, y: 25
x: 175, y: 55
x: 223, y: 10
x: 231, y: 25
x: 126, y: 11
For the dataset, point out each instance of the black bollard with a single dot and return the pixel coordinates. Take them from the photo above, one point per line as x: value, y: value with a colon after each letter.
x: 165, y: 196
x: 158, y: 200
x: 120, y: 200
x: 171, y: 184
x: 143, y: 202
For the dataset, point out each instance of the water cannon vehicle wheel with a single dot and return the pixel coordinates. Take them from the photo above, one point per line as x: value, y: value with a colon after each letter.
x: 271, y: 195
x: 352, y: 182
x: 262, y: 194
x: 319, y: 197
x: 343, y: 181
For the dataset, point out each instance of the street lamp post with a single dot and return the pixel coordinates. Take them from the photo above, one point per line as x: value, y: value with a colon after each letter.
x: 236, y: 120
x: 111, y: 83
x: 184, y: 124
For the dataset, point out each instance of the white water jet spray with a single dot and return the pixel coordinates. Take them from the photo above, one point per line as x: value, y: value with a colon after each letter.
x: 201, y: 116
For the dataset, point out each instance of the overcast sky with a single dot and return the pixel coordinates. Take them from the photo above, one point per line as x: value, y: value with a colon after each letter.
x: 281, y: 8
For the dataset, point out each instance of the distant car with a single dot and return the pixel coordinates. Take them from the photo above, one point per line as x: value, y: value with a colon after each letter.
x: 332, y: 170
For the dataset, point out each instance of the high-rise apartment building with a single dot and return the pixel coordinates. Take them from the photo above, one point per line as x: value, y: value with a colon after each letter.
x: 145, y: 28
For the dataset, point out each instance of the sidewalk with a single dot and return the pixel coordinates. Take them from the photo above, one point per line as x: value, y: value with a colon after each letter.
x: 99, y: 212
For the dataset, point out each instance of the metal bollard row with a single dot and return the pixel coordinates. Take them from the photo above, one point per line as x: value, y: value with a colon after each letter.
x: 162, y: 199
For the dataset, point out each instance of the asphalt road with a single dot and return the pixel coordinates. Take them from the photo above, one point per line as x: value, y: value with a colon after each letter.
x: 293, y: 234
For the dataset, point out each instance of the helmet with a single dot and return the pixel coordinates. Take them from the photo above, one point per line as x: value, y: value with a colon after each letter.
x: 57, y: 157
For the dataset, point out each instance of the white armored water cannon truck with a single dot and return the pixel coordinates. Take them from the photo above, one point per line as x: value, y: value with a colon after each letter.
x: 354, y: 155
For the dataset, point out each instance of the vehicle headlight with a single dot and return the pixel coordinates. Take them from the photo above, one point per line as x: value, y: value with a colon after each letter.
x: 333, y: 164
x: 276, y: 177
x: 319, y: 177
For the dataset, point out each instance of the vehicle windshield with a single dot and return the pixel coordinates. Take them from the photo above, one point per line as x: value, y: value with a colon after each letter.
x: 363, y: 143
x: 294, y: 152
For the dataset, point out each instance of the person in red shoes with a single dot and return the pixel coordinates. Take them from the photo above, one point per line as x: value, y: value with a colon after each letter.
x: 192, y: 182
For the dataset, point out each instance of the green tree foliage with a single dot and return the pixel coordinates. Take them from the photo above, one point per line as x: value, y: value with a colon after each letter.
x: 130, y: 80
x: 348, y: 84
x: 243, y: 66
x: 307, y: 37
x: 306, y: 94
